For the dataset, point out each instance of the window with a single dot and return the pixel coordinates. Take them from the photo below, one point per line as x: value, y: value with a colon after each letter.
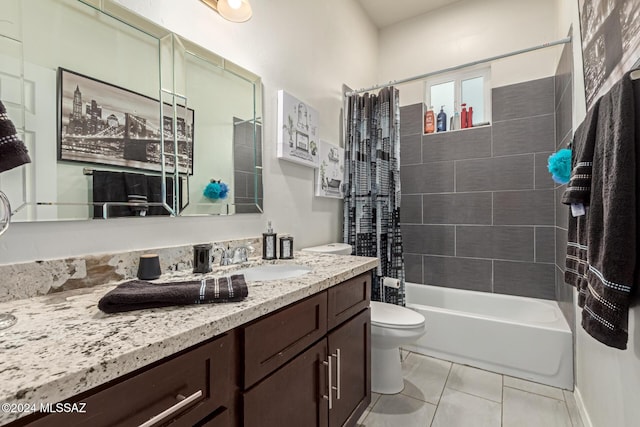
x: 452, y: 90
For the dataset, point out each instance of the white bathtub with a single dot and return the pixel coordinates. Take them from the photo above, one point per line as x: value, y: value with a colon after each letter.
x: 522, y: 337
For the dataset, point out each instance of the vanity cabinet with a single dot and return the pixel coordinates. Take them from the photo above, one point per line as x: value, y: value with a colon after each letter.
x: 329, y: 383
x: 307, y: 364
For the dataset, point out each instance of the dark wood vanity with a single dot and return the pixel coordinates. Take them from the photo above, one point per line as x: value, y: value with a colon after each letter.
x: 306, y: 364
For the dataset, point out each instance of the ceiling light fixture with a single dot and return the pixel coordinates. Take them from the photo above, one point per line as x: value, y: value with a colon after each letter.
x: 231, y: 10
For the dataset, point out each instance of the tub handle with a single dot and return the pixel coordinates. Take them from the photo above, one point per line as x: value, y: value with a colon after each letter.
x: 329, y: 396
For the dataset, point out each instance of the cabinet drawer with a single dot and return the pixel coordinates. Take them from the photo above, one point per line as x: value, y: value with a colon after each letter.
x: 143, y: 395
x: 273, y: 340
x: 348, y: 299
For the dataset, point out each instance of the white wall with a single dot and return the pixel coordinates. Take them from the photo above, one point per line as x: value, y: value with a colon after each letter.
x: 307, y: 47
x: 607, y: 380
x: 467, y: 31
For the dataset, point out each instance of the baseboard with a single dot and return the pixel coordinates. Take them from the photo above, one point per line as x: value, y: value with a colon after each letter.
x: 581, y: 408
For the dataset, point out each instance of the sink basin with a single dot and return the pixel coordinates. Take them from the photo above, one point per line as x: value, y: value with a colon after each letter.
x: 273, y: 272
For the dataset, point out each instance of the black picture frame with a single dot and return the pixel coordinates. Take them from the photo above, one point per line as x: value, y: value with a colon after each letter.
x: 610, y: 34
x: 102, y: 123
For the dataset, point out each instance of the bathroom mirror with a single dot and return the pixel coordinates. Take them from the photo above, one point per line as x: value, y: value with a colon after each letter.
x: 109, y: 103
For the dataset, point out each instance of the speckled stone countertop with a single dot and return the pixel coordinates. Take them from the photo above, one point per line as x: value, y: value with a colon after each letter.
x: 63, y: 345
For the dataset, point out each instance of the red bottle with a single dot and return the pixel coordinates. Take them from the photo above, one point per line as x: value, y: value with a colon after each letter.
x: 470, y: 117
x: 429, y: 121
x: 464, y: 117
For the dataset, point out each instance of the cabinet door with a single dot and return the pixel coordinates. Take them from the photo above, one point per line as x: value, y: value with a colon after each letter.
x: 291, y: 396
x: 350, y: 348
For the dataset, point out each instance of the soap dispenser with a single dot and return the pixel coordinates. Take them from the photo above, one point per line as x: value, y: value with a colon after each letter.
x: 442, y: 120
x: 269, y: 243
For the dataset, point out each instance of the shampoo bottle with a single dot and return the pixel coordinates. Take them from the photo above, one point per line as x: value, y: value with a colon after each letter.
x: 269, y: 243
x: 464, y: 119
x: 455, y: 120
x: 429, y: 121
x: 442, y: 120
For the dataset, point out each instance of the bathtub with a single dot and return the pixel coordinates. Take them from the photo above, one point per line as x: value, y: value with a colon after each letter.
x: 522, y: 337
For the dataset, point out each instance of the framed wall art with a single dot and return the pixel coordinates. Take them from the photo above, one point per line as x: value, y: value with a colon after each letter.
x: 330, y: 173
x: 106, y: 124
x: 610, y: 31
x: 297, y: 131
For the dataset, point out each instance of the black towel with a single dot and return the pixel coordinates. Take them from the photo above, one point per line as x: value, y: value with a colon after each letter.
x: 578, y: 191
x: 136, y: 187
x: 13, y: 152
x: 584, y: 141
x: 139, y: 295
x: 607, y: 234
x: 154, y: 191
x: 109, y: 187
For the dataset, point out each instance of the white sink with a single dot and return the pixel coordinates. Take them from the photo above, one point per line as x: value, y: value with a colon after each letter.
x: 273, y: 272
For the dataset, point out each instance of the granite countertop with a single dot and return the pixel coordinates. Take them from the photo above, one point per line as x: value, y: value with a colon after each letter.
x: 62, y: 345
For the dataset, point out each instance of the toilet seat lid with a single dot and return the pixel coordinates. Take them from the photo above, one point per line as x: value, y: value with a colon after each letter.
x: 394, y: 316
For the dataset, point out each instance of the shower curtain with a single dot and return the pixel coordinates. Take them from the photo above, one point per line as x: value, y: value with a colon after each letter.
x: 372, y: 187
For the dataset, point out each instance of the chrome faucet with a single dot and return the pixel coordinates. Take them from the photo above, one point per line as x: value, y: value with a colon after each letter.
x: 235, y: 255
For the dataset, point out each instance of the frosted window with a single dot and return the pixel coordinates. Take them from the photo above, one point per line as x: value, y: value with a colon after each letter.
x: 443, y: 94
x: 473, y: 95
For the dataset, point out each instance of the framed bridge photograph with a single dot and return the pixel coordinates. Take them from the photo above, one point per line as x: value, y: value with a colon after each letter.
x: 106, y: 124
x: 610, y: 31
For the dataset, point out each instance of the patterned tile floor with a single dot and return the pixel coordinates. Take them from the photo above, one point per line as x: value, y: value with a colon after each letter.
x: 438, y: 393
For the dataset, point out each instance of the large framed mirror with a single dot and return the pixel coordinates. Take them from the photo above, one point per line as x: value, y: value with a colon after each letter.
x: 109, y: 103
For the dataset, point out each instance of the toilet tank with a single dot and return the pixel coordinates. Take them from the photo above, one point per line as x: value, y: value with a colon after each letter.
x: 331, y: 248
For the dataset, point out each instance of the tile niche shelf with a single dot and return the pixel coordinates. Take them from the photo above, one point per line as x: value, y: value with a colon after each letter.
x: 488, y: 125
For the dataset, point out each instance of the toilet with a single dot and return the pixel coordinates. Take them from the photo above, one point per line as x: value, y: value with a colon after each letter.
x: 331, y: 248
x: 392, y: 326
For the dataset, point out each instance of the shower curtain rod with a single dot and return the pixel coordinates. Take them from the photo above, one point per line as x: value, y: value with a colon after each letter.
x: 457, y: 67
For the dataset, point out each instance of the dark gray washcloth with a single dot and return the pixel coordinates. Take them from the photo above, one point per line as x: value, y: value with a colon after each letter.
x: 579, y: 187
x: 578, y: 191
x: 13, y: 152
x: 139, y: 295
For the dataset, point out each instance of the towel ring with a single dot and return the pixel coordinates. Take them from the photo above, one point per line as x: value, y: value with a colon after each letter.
x: 5, y: 220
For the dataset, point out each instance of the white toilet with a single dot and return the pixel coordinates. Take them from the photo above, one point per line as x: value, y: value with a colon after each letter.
x: 331, y: 248
x: 391, y: 327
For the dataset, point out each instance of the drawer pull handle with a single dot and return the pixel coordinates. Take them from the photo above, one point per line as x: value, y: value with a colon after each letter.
x: 324, y: 396
x: 183, y: 401
x: 337, y: 387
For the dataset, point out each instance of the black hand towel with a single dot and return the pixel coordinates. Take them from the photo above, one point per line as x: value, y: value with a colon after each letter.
x: 13, y: 153
x: 109, y: 187
x: 139, y: 295
x: 154, y: 192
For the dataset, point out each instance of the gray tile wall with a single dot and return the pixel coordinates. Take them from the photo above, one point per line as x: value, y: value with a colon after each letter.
x: 478, y: 205
x: 563, y: 134
x: 247, y: 167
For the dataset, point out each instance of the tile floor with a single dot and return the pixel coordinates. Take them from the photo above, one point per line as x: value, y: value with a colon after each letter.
x: 438, y: 393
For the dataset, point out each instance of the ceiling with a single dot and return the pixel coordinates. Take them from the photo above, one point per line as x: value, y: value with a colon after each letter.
x: 388, y: 12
